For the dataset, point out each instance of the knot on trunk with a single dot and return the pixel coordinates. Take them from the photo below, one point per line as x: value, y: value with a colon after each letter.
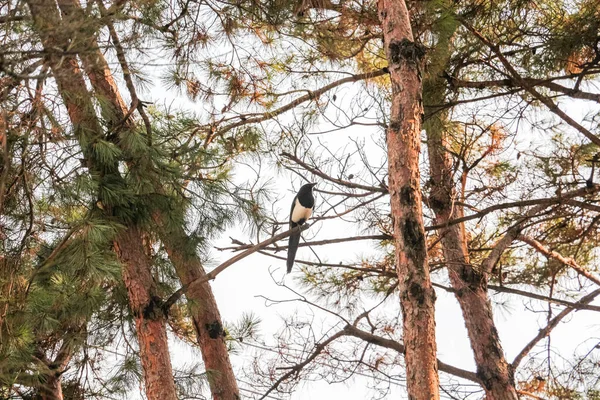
x: 405, y: 50
x: 414, y: 241
x: 154, y: 309
x: 215, y: 329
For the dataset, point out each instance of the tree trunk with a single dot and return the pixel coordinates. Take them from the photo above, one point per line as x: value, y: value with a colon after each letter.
x: 112, y: 105
x: 470, y: 284
x: 150, y: 320
x: 203, y: 307
x: 50, y: 386
x: 149, y: 317
x: 51, y: 389
x: 417, y: 297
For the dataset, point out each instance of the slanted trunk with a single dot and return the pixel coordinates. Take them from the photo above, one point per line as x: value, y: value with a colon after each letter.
x: 417, y: 297
x: 203, y: 309
x: 150, y: 321
x: 470, y: 284
x: 96, y: 68
x: 203, y: 306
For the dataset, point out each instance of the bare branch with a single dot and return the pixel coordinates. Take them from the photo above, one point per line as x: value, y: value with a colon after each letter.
x: 547, y: 83
x: 513, y: 204
x: 551, y: 325
x: 323, y: 175
x: 306, y: 244
x: 351, y: 330
x: 307, y: 97
x: 506, y: 289
x: 298, y: 367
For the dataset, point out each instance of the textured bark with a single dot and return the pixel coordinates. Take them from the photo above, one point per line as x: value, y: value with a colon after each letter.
x: 203, y: 309
x: 51, y: 388
x: 4, y: 159
x: 203, y: 306
x: 469, y: 284
x: 417, y: 297
x: 150, y: 320
x: 112, y: 105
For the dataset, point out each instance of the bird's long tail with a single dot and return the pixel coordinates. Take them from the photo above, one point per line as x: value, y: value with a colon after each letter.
x: 292, y: 248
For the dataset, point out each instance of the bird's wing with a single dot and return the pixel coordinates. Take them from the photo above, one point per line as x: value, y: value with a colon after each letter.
x: 293, y: 240
x: 292, y: 223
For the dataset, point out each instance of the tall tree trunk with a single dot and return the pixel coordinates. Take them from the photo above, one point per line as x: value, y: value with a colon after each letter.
x: 94, y: 64
x: 150, y: 320
x: 203, y: 306
x: 203, y: 309
x: 417, y: 297
x: 470, y: 284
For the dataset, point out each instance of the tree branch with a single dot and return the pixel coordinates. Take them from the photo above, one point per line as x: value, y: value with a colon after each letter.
x: 547, y: 83
x: 514, y: 231
x: 522, y: 203
x: 351, y: 330
x: 298, y: 367
x: 306, y: 244
x: 506, y: 289
x: 527, y: 86
x: 323, y: 175
x: 307, y: 97
x: 568, y: 261
x: 551, y: 325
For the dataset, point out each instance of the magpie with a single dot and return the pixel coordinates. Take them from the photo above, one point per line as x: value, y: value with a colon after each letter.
x: 302, y: 208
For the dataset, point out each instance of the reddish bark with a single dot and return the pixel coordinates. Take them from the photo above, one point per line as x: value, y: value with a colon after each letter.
x: 112, y: 105
x: 469, y: 284
x: 50, y: 386
x: 51, y: 389
x: 150, y: 320
x: 4, y: 159
x: 204, y: 312
x: 149, y: 317
x: 417, y: 297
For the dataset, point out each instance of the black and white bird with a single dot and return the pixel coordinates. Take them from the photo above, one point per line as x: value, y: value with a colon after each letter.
x: 302, y: 208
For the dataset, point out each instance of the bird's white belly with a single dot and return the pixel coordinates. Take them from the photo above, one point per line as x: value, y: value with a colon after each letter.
x: 300, y: 212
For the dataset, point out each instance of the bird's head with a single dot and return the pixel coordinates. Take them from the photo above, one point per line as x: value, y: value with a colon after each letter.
x: 307, y: 188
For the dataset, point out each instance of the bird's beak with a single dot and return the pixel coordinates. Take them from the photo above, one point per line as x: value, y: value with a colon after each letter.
x: 313, y: 184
